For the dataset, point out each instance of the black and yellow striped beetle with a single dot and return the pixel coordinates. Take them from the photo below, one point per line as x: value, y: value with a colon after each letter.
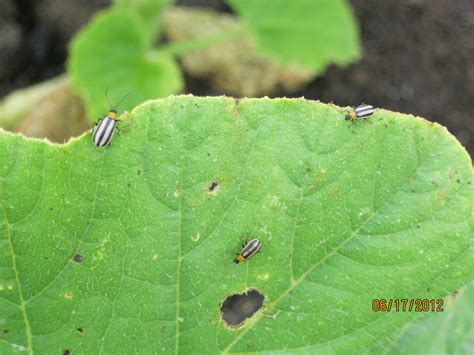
x: 106, y: 126
x: 361, y: 111
x: 249, y: 250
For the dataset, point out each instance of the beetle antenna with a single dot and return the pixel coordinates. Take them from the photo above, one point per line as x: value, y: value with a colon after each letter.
x: 108, y: 98
x: 123, y: 98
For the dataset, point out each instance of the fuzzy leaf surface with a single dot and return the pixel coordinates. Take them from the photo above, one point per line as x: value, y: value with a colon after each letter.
x: 120, y: 249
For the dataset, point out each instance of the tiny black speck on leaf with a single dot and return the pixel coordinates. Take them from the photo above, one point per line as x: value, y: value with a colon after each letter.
x: 78, y: 258
x: 213, y: 186
x: 80, y: 330
x: 138, y: 172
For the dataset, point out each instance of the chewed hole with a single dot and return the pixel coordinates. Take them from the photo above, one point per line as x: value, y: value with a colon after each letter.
x: 67, y: 352
x: 78, y: 258
x: 237, y: 308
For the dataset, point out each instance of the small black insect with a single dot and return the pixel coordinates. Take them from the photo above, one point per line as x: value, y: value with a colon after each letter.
x: 213, y: 186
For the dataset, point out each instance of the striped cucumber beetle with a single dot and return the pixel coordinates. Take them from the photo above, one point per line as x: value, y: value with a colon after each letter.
x: 106, y: 126
x: 249, y: 250
x: 361, y: 111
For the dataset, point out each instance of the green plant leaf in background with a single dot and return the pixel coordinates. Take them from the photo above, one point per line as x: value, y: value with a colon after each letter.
x: 112, y: 52
x: 312, y: 33
x: 149, y: 12
x: 124, y: 249
x: 449, y: 333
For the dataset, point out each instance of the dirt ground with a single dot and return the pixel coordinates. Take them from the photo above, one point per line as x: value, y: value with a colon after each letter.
x: 418, y: 55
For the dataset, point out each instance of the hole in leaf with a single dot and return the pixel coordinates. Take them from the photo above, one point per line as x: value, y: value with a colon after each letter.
x: 67, y: 352
x: 237, y: 308
x: 78, y: 258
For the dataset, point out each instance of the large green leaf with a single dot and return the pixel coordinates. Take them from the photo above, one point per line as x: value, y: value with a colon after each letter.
x: 449, y: 333
x: 149, y: 12
x: 313, y: 33
x: 112, y: 52
x: 123, y: 249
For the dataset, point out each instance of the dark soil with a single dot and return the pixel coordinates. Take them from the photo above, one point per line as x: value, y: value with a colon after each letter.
x: 419, y: 55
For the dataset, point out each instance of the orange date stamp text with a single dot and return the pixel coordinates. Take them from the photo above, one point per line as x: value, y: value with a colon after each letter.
x: 407, y: 305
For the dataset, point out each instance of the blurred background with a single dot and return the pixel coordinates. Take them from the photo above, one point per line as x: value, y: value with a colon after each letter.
x: 417, y: 57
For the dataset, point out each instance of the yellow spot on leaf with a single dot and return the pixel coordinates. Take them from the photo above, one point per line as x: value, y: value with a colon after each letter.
x: 263, y: 277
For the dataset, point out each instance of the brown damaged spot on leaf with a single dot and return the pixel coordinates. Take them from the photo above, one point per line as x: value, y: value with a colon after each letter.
x: 4, y: 334
x: 234, y: 66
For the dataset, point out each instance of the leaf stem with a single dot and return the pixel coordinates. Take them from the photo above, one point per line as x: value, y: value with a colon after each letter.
x: 181, y: 47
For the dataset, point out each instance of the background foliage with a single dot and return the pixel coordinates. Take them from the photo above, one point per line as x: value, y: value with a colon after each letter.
x: 121, y: 41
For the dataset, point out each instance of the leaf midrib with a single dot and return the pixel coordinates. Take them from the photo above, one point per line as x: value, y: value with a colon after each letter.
x: 22, y: 304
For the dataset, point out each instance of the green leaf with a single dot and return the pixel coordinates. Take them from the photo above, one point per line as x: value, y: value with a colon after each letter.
x: 149, y: 12
x: 313, y: 33
x: 112, y: 52
x: 446, y: 333
x: 123, y: 249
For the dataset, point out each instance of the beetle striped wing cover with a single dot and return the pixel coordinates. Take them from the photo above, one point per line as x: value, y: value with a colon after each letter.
x: 364, y: 110
x: 104, y: 132
x: 251, y: 248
